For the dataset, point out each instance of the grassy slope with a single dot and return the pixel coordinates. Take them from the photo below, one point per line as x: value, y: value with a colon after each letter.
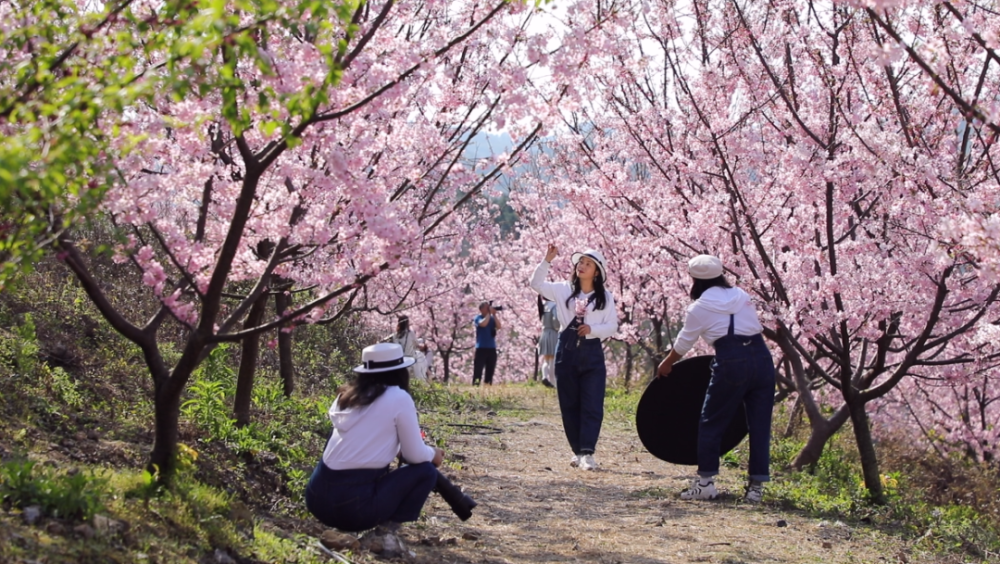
x: 74, y: 397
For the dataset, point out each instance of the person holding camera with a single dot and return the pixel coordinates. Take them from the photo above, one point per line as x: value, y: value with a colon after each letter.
x: 487, y: 323
x: 374, y: 421
x: 587, y: 315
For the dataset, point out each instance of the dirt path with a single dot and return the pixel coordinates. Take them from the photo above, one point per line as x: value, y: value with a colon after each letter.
x: 535, y: 508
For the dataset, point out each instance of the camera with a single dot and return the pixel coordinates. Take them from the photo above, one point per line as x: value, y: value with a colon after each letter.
x: 496, y: 307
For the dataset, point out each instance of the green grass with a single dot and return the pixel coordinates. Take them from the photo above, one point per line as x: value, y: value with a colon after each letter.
x: 833, y: 488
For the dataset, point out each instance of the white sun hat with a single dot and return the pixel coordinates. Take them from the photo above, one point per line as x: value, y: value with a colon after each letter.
x: 383, y: 357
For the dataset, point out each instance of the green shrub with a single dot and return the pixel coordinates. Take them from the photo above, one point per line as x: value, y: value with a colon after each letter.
x: 76, y: 495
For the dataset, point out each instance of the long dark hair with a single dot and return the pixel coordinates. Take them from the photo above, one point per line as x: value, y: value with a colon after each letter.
x: 368, y: 386
x: 600, y: 297
x: 541, y: 307
x: 402, y: 326
x: 699, y: 286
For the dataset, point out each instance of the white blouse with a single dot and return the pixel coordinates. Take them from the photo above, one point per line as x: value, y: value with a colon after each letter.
x: 603, y: 323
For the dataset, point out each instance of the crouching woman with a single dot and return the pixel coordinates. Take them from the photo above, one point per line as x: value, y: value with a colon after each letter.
x: 374, y: 420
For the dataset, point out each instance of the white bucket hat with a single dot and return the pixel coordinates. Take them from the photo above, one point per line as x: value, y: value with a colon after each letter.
x: 594, y: 255
x: 705, y: 267
x: 383, y: 357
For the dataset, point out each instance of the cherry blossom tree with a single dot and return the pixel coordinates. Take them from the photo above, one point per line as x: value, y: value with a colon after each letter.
x: 789, y: 139
x: 69, y: 70
x: 332, y: 159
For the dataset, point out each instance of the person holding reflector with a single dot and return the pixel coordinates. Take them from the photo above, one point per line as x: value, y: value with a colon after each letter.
x: 742, y: 374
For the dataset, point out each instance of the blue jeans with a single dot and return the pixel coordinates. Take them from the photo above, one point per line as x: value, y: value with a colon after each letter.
x: 742, y: 372
x: 357, y: 500
x: 582, y: 377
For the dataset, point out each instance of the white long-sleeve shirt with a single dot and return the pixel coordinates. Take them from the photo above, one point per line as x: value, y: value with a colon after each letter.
x: 708, y: 317
x: 371, y: 436
x: 603, y: 322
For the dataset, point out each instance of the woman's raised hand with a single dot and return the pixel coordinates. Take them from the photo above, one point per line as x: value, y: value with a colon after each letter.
x: 551, y: 253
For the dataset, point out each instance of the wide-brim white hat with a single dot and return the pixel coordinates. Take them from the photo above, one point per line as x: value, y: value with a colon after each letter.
x: 596, y: 256
x: 383, y: 357
x: 705, y: 267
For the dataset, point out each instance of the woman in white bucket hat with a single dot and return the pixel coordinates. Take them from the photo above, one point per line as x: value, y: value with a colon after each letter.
x: 742, y: 373
x: 587, y: 314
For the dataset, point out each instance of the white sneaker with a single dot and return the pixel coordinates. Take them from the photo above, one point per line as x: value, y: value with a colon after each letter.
x: 755, y: 493
x: 698, y: 491
x: 575, y: 461
x: 587, y: 462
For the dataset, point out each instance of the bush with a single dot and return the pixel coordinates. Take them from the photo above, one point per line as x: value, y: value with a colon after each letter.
x: 73, y: 495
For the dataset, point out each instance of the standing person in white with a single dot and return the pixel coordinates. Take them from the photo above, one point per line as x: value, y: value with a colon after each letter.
x: 405, y: 337
x: 548, y: 340
x: 420, y: 368
x: 587, y: 313
x: 425, y: 350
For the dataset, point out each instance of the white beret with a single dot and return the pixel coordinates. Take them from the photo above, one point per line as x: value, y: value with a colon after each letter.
x: 705, y: 267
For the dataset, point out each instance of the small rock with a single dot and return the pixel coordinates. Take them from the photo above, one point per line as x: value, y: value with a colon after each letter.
x: 266, y: 457
x: 93, y: 435
x: 240, y: 513
x: 141, y: 556
x: 79, y: 436
x: 55, y: 528
x: 335, y: 540
x: 782, y: 523
x: 32, y: 514
x: 85, y: 531
x: 438, y: 541
x: 221, y: 557
x: 470, y: 536
x: 375, y: 545
x: 105, y: 525
x: 827, y: 545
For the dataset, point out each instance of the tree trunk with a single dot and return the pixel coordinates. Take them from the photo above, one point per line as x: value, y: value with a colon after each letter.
x: 166, y: 413
x: 629, y: 357
x: 793, y: 419
x: 286, y: 366
x: 248, y: 363
x: 822, y: 430
x: 534, y: 375
x: 444, y: 364
x: 866, y: 448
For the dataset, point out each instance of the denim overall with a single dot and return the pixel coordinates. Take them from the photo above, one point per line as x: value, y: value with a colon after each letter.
x: 582, y: 376
x: 742, y: 372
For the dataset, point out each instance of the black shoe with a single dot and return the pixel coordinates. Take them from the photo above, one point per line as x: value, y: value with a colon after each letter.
x: 546, y: 383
